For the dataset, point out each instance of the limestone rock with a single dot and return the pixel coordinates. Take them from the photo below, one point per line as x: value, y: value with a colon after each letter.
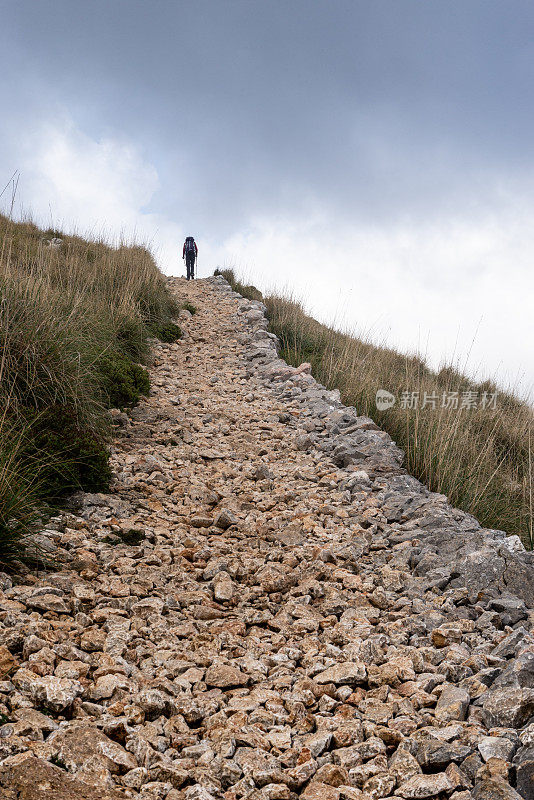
x: 496, y: 747
x: 224, y: 676
x: 225, y: 519
x: 25, y: 777
x: 343, y: 674
x: 508, y: 707
x: 78, y: 743
x: 524, y: 765
x: 452, y: 704
x: 55, y: 694
x: 421, y: 786
x: 223, y: 587
x: 316, y: 790
x: 48, y: 602
x: 494, y: 789
x: 8, y: 663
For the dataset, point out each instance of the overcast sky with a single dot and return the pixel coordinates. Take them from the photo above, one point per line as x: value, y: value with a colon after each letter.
x: 375, y: 157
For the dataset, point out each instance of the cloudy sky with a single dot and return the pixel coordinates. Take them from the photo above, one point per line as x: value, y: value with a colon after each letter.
x: 374, y: 157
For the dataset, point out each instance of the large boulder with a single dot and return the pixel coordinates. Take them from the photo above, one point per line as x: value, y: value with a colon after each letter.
x: 79, y: 743
x: 509, y: 707
x: 25, y: 777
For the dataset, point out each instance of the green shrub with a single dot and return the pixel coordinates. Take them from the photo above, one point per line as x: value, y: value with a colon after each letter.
x: 122, y: 380
x: 166, y: 332
x: 76, y: 458
x: 189, y: 307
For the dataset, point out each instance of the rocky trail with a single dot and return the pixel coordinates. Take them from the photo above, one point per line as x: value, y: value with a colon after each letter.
x: 266, y: 606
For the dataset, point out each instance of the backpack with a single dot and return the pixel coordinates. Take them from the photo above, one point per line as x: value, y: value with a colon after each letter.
x: 189, y: 245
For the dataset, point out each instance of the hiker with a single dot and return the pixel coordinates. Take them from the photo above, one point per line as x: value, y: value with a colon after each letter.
x: 190, y: 253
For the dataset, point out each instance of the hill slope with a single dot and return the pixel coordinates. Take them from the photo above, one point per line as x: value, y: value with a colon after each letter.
x: 265, y: 606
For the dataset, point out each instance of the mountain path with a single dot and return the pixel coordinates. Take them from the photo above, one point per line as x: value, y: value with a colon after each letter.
x: 241, y: 618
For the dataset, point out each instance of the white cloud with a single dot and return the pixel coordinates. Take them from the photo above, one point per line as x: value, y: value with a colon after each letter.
x: 458, y: 290
x: 73, y: 182
x: 433, y: 287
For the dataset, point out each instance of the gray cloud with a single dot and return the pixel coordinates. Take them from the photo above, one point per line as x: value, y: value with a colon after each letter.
x: 401, y: 123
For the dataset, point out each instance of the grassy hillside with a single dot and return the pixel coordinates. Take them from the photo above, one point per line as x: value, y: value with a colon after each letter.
x: 480, y: 457
x: 75, y: 315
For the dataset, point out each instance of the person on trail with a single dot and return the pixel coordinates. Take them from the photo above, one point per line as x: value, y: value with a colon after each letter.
x: 190, y: 253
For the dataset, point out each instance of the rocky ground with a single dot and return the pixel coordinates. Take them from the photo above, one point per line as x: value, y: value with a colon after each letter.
x: 266, y: 606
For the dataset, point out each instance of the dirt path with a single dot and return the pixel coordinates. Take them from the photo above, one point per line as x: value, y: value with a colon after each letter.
x: 249, y: 613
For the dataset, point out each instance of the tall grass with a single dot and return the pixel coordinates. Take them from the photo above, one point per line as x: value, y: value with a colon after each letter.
x: 74, y: 324
x: 19, y: 493
x: 480, y: 457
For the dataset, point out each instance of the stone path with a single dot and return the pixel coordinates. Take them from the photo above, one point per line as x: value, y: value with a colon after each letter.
x: 265, y: 607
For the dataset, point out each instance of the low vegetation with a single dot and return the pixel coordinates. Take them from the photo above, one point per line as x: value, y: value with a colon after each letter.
x: 479, y: 456
x: 247, y: 290
x: 187, y: 306
x: 75, y: 319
